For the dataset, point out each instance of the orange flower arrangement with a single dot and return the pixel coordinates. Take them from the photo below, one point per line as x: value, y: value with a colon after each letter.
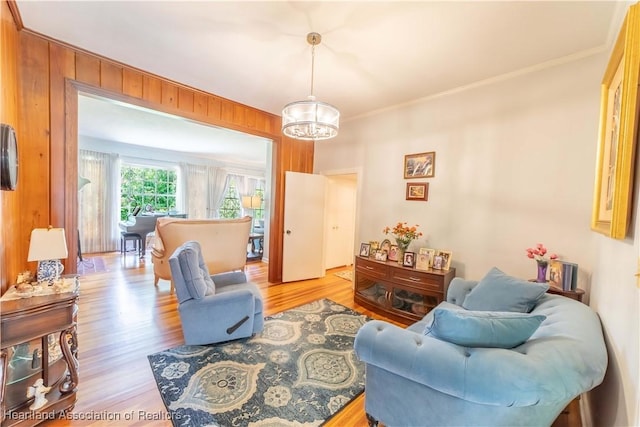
x: 403, y: 233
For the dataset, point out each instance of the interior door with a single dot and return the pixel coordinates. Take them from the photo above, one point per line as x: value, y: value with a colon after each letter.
x: 341, y: 218
x: 304, y: 219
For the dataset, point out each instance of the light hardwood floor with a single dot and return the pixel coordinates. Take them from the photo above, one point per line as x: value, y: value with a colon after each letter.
x: 123, y: 318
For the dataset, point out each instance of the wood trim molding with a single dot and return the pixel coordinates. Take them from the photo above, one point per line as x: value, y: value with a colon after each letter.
x: 17, y: 18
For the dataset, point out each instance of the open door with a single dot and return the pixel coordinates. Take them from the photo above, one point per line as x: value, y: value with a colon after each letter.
x: 304, y: 218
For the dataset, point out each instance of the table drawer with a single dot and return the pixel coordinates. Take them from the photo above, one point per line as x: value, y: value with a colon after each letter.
x: 372, y: 268
x: 417, y: 279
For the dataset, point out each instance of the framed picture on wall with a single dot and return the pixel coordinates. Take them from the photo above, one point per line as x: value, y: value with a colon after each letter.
x: 619, y: 103
x: 417, y: 191
x: 421, y: 165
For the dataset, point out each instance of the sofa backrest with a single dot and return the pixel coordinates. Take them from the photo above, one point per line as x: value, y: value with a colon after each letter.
x: 223, y: 242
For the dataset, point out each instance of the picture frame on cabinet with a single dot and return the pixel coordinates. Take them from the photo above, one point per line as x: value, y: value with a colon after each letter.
x: 393, y: 253
x: 619, y: 103
x: 422, y: 261
x: 431, y: 253
x: 381, y: 255
x: 417, y: 191
x: 365, y: 249
x: 385, y: 245
x: 437, y: 262
x: 446, y: 258
x: 408, y: 259
x: 420, y: 165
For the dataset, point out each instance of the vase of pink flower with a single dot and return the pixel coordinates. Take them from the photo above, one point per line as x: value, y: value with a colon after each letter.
x: 539, y: 254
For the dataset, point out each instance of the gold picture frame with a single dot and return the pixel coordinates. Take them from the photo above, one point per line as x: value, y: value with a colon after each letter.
x: 420, y: 165
x: 618, y: 132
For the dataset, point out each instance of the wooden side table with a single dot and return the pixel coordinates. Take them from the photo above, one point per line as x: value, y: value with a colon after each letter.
x: 576, y: 295
x: 38, y: 341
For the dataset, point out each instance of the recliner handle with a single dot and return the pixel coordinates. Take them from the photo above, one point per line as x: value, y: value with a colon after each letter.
x: 233, y: 328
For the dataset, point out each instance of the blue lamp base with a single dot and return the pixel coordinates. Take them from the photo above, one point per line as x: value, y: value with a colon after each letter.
x: 49, y: 271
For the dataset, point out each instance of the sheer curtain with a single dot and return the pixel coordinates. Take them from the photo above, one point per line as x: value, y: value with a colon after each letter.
x: 98, y: 202
x: 217, y: 190
x: 195, y: 189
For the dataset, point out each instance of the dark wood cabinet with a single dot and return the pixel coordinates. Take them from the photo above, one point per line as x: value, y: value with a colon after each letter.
x: 38, y: 340
x: 402, y: 293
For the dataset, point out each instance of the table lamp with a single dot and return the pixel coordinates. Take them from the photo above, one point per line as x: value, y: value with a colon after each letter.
x: 48, y: 246
x: 251, y: 202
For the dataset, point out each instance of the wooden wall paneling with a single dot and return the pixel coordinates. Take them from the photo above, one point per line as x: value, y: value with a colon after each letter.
x: 169, y: 94
x: 200, y: 104
x: 152, y: 89
x: 185, y: 99
x: 110, y: 76
x: 227, y: 111
x: 87, y: 69
x: 34, y: 171
x: 214, y: 110
x: 63, y: 163
x: 10, y: 261
x: 132, y: 83
x: 123, y: 83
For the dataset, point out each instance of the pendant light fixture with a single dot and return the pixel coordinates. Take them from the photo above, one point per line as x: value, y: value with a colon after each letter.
x: 310, y: 120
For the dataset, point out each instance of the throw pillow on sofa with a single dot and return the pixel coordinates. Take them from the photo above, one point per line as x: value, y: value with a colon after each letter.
x: 195, y: 271
x: 498, y: 291
x: 483, y: 328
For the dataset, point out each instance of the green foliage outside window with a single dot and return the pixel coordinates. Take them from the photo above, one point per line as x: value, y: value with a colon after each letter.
x: 230, y: 207
x: 147, y: 186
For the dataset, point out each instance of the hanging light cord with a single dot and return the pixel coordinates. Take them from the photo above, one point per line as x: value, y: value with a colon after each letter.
x: 313, y: 60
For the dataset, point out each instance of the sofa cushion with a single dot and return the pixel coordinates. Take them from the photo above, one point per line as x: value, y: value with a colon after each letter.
x: 483, y: 328
x: 194, y: 271
x: 498, y: 291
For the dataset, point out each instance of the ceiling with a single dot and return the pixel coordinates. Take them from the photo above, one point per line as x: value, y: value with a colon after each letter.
x: 374, y: 55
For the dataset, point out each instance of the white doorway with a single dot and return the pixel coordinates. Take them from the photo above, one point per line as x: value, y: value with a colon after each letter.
x: 340, y: 227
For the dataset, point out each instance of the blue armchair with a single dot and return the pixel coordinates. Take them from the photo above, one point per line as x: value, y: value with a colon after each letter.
x: 216, y: 308
x: 434, y: 374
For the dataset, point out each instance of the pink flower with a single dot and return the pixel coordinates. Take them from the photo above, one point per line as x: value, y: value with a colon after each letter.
x: 538, y: 253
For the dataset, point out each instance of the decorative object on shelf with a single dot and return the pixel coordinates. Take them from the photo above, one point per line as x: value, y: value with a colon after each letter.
x: 8, y: 158
x: 48, y: 246
x: 619, y: 104
x: 539, y: 253
x: 422, y: 261
x: 385, y: 245
x: 417, y: 191
x: 38, y: 391
x: 563, y: 275
x: 381, y: 255
x: 393, y: 253
x: 408, y: 258
x: 404, y: 235
x: 421, y: 165
x: 446, y: 258
x: 374, y: 246
x: 310, y: 120
x: 431, y: 253
x: 437, y: 262
x: 365, y: 249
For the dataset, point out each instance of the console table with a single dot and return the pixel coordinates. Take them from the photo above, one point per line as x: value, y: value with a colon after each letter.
x: 38, y: 341
x: 401, y: 293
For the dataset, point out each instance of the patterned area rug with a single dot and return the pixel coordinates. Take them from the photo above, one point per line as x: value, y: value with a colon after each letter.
x: 299, y: 371
x: 91, y: 265
x: 347, y: 274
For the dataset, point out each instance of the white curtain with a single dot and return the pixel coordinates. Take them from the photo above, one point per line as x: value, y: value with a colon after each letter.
x: 99, y: 202
x: 217, y: 189
x: 195, y: 190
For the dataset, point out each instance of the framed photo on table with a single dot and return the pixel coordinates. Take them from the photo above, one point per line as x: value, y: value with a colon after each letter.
x: 422, y: 262
x: 408, y: 259
x: 420, y: 165
x: 365, y: 249
x: 446, y: 258
x: 619, y: 107
x: 393, y: 253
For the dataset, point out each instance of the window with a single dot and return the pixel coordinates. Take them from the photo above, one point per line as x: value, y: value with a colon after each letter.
x: 258, y: 213
x: 152, y: 188
x: 230, y: 207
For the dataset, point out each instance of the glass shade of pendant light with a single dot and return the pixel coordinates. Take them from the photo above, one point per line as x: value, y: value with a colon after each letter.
x: 310, y: 119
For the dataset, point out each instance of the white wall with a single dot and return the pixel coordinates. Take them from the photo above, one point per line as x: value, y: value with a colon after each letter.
x: 515, y: 162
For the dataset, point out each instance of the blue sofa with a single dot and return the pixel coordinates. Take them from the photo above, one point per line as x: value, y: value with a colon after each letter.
x: 414, y: 378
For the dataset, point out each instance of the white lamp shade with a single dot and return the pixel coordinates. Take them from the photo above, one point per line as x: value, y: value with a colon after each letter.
x: 310, y: 120
x: 47, y: 244
x: 251, y: 202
